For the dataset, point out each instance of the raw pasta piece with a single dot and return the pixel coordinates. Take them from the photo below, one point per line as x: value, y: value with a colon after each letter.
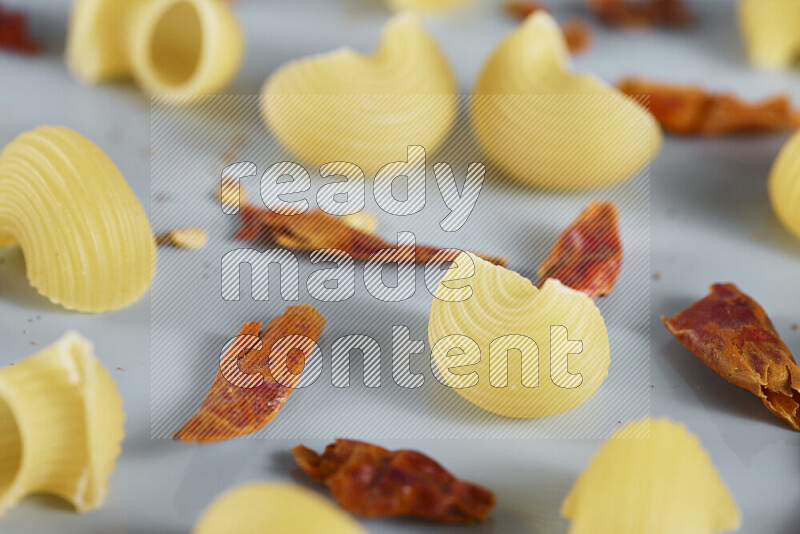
x: 366, y: 110
x: 371, y: 481
x: 428, y: 6
x: 770, y: 32
x: 784, y: 186
x: 654, y: 477
x: 231, y: 194
x: 191, y: 238
x: 578, y: 34
x: 730, y: 333
x: 691, y: 110
x: 260, y: 507
x: 61, y: 426
x: 362, y: 221
x: 588, y: 255
x: 85, y: 237
x: 234, y: 409
x: 519, y: 351
x: 638, y: 14
x: 169, y: 47
x: 547, y: 127
x: 316, y: 230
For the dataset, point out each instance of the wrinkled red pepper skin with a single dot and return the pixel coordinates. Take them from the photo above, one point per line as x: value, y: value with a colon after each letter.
x: 730, y: 333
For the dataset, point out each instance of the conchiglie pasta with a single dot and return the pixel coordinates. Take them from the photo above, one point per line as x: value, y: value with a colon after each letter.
x: 61, y: 426
x: 784, y: 186
x: 547, y: 127
x: 771, y: 32
x: 256, y: 508
x: 424, y: 6
x: 366, y: 110
x: 86, y: 239
x: 189, y: 47
x: 520, y: 351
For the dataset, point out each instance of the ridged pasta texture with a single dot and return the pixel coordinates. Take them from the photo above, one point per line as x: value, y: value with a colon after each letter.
x: 86, y: 239
x: 61, y: 426
x: 498, y: 328
x: 652, y: 476
x: 784, y: 186
x: 547, y: 127
x: 365, y: 110
x: 260, y: 507
x: 181, y: 47
x: 771, y: 32
x: 428, y: 6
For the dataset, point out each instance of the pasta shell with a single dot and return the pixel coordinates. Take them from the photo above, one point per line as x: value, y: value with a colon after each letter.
x: 86, y: 239
x: 186, y: 47
x: 784, y: 186
x: 366, y: 110
x: 428, y: 6
x: 652, y: 476
x: 274, y: 507
x: 568, y: 364
x: 61, y: 426
x: 770, y: 32
x: 547, y: 127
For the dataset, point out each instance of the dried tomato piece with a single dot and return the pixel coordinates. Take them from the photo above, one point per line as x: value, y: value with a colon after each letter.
x: 730, y: 333
x: 230, y: 410
x: 15, y: 34
x: 588, y: 254
x: 636, y: 15
x: 691, y: 110
x: 316, y: 230
x: 374, y: 482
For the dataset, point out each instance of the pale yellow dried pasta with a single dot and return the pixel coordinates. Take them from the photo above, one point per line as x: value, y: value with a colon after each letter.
x: 365, y: 110
x: 260, y: 507
x: 547, y: 127
x: 187, y: 47
x: 653, y: 476
x: 428, y: 6
x: 363, y: 220
x: 86, y: 239
x: 784, y: 185
x: 771, y: 32
x: 61, y: 426
x: 502, y: 303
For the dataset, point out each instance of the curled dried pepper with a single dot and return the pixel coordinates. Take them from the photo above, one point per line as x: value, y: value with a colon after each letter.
x: 316, y: 230
x: 730, y: 333
x: 691, y: 110
x: 231, y: 410
x: 374, y: 482
x: 588, y: 254
x: 633, y: 15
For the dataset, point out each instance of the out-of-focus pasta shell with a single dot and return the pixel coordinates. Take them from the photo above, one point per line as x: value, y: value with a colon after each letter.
x: 86, y: 239
x: 547, y: 127
x: 366, y: 110
x: 784, y: 186
x: 61, y: 426
x: 428, y: 6
x: 771, y: 32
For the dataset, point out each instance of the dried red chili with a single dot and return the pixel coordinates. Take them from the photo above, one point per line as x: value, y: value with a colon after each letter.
x: 374, y: 482
x: 14, y: 33
x: 635, y: 15
x: 316, y: 230
x: 730, y: 333
x: 690, y: 110
x: 587, y: 255
x: 229, y: 410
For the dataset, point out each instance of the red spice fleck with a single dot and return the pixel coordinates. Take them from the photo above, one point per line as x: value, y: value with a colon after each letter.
x: 14, y: 33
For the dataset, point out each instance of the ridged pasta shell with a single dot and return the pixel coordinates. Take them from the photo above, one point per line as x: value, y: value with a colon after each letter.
x: 547, y: 127
x: 187, y: 47
x: 86, y: 239
x: 61, y: 426
x: 366, y: 110
x: 502, y: 303
x: 784, y: 186
x: 771, y: 32
x: 652, y: 476
x: 261, y: 507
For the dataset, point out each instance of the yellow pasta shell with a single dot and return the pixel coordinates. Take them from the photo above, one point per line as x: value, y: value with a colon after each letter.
x: 85, y: 237
x: 502, y: 303
x: 61, y: 426
x: 187, y: 47
x: 366, y: 110
x: 653, y: 476
x: 784, y: 185
x: 771, y: 32
x: 428, y: 6
x: 547, y: 127
x: 256, y: 508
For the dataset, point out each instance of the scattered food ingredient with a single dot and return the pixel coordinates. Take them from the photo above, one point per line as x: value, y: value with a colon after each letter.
x: 769, y: 31
x: 15, y: 34
x: 578, y: 33
x: 641, y: 14
x: 231, y: 194
x: 189, y: 238
x: 362, y: 221
x: 784, y: 186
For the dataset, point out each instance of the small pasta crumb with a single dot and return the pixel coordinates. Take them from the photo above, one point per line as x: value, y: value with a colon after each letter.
x: 231, y: 193
x: 363, y: 221
x: 189, y: 238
